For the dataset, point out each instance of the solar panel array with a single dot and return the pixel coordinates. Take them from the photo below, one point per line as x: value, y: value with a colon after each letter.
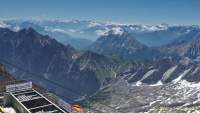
x: 35, y: 102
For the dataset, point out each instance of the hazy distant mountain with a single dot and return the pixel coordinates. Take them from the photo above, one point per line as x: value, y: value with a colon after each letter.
x: 53, y: 31
x: 187, y: 46
x: 74, y: 31
x: 118, y: 42
x: 164, y: 36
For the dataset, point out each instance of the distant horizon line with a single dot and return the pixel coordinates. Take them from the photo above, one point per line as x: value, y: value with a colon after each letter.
x: 92, y: 20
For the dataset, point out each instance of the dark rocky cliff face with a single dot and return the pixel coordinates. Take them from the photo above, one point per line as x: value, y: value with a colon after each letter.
x: 47, y: 58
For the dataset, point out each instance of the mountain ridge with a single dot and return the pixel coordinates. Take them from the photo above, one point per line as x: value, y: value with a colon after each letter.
x: 50, y: 60
x: 71, y: 31
x: 123, y: 45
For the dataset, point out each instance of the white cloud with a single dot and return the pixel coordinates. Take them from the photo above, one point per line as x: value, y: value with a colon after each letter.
x: 58, y: 30
x: 102, y: 32
x: 55, y: 30
x: 93, y: 24
x: 106, y: 31
x: 3, y: 25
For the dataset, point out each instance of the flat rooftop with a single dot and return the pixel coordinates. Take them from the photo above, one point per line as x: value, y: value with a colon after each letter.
x: 34, y: 102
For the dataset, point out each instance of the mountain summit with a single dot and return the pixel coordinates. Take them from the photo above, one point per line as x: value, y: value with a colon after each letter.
x: 118, y: 42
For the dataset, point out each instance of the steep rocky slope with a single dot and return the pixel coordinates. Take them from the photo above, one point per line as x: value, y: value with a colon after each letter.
x: 118, y: 42
x: 59, y: 68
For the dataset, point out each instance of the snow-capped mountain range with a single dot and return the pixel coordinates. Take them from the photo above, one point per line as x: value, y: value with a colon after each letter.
x: 86, y: 31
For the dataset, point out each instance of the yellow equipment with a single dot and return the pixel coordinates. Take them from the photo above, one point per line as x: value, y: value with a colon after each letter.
x: 77, y: 108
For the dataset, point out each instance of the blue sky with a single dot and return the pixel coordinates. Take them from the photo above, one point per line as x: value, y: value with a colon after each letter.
x: 123, y: 11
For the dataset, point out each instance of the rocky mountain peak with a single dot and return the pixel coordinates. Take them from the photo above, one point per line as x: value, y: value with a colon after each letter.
x: 116, y: 31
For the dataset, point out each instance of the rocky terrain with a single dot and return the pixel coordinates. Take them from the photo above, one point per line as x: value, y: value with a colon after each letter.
x: 118, y: 72
x: 123, y: 97
x: 119, y: 42
x: 46, y: 60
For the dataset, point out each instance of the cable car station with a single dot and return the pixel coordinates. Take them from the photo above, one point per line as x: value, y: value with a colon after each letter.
x: 27, y: 100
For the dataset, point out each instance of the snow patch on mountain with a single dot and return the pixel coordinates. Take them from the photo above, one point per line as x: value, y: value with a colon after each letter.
x: 154, y: 27
x: 167, y: 74
x: 117, y: 31
x: 149, y: 73
x: 3, y: 25
x: 138, y: 83
x: 16, y: 28
x: 181, y: 76
x: 186, y: 84
x: 93, y: 24
x: 148, y: 28
x: 102, y: 32
x: 159, y: 83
